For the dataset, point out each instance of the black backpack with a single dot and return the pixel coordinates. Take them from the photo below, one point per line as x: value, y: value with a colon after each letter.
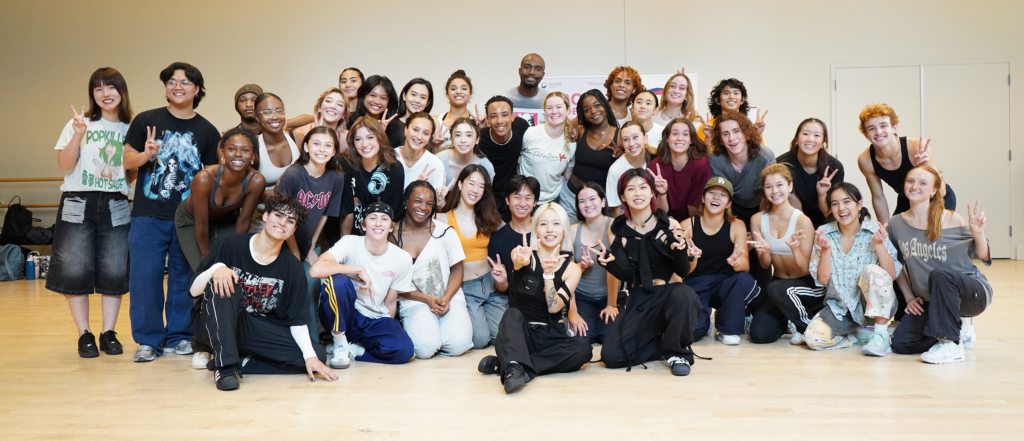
x: 17, y: 222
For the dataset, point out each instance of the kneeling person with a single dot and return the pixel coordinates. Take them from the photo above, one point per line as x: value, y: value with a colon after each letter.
x: 252, y: 303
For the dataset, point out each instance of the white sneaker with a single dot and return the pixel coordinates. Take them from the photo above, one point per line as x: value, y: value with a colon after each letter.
x: 797, y: 339
x: 200, y: 360
x: 341, y: 359
x: 944, y: 352
x: 728, y: 340
x: 791, y: 329
x: 967, y: 335
x: 183, y: 347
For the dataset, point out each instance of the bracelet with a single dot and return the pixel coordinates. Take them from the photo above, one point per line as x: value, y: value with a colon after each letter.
x: 549, y: 276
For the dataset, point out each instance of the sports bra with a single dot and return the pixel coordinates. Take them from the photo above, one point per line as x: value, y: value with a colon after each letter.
x: 216, y: 184
x: 475, y: 247
x: 270, y: 171
x: 778, y: 247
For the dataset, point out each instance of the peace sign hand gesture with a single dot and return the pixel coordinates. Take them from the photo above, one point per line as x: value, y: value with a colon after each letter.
x: 443, y: 190
x: 480, y: 122
x: 881, y: 235
x: 794, y: 239
x: 521, y: 254
x: 603, y: 256
x: 760, y: 120
x: 550, y: 264
x: 439, y: 136
x: 976, y: 219
x: 498, y: 270
x: 151, y: 147
x: 425, y: 174
x: 78, y: 121
x: 924, y: 152
x: 660, y: 183
x: 384, y: 120
x: 758, y: 243
x: 692, y: 249
x: 705, y: 125
x: 826, y: 181
x: 585, y: 260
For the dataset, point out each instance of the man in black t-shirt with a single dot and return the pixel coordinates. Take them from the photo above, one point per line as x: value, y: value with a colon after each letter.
x: 502, y: 142
x: 168, y: 145
x: 253, y: 303
x: 523, y: 192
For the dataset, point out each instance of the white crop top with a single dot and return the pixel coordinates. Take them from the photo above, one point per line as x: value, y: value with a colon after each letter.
x: 271, y: 173
x: 778, y: 246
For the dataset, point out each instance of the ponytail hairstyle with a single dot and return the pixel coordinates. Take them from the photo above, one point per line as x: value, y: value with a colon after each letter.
x: 566, y: 127
x: 426, y: 116
x: 600, y: 195
x: 822, y: 152
x: 631, y: 174
x: 647, y: 147
x: 774, y: 169
x: 851, y: 191
x: 937, y: 203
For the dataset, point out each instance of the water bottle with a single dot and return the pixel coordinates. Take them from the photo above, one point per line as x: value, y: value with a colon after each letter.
x: 30, y: 268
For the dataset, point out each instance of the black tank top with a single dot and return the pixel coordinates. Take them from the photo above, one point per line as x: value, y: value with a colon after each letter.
x: 895, y: 178
x: 216, y: 184
x: 592, y: 165
x: 528, y: 293
x: 715, y: 250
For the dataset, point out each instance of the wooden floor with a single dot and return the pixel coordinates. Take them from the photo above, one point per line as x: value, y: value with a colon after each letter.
x: 747, y: 392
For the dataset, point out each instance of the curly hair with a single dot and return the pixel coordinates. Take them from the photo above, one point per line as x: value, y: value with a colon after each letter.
x: 875, y: 110
x: 287, y: 206
x: 638, y: 83
x: 386, y: 154
x: 750, y: 132
x: 716, y: 108
x: 698, y: 149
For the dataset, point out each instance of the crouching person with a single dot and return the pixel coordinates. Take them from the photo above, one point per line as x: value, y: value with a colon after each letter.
x: 252, y: 310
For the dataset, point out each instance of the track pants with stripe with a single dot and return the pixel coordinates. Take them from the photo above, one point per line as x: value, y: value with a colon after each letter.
x: 383, y: 338
x: 729, y: 295
x: 789, y: 300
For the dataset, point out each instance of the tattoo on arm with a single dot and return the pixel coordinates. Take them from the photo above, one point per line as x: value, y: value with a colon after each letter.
x: 552, y: 295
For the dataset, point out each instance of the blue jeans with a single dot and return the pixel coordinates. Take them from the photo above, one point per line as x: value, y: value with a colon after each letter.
x: 486, y: 307
x: 150, y: 241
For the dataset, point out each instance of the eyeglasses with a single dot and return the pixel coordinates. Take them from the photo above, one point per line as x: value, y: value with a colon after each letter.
x: 269, y: 113
x: 185, y: 84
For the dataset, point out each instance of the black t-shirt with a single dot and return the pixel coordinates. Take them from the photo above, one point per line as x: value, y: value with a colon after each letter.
x: 277, y: 290
x: 366, y: 187
x: 186, y: 145
x: 322, y: 196
x: 805, y: 184
x: 502, y: 243
x: 504, y: 157
x: 528, y: 296
x: 395, y: 131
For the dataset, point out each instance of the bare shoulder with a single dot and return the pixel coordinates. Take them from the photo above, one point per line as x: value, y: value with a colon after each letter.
x: 864, y: 162
x: 956, y: 220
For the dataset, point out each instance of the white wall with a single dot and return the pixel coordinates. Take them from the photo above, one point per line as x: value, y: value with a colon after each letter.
x: 782, y: 50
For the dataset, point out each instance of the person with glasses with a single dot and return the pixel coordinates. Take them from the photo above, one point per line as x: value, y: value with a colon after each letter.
x: 277, y: 151
x: 168, y: 145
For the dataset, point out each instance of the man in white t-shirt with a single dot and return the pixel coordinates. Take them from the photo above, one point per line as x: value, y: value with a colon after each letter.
x: 359, y: 296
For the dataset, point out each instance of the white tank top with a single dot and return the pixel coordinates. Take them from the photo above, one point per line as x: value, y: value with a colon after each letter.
x: 778, y: 246
x: 270, y: 171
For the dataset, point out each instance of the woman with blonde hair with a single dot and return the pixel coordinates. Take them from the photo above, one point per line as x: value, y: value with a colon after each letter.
x: 548, y: 154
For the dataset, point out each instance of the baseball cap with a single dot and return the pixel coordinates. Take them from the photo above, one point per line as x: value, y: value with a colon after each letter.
x: 719, y: 182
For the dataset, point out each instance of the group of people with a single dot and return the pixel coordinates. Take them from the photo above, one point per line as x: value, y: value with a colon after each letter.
x: 372, y: 230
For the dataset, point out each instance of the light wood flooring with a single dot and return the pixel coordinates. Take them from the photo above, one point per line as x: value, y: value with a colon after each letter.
x: 749, y: 391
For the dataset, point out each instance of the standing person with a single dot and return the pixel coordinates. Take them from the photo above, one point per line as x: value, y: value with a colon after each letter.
x: 277, y: 150
x: 855, y: 262
x: 92, y: 220
x: 469, y: 209
x: 371, y: 172
x: 597, y: 295
x: 502, y: 142
x: 251, y: 309
x: 548, y: 154
x: 634, y: 143
x: 522, y: 193
x: 350, y: 80
x: 729, y: 95
x: 740, y: 157
x: 377, y: 99
x: 527, y: 95
x: 435, y: 313
x: 417, y: 96
x: 645, y: 253
x: 168, y: 146
x: 622, y: 83
x: 465, y: 151
x: 681, y: 169
x: 415, y: 156
x: 225, y: 199
x: 943, y: 288
x: 890, y: 157
x: 719, y: 275
x: 330, y: 111
x: 645, y: 103
x: 362, y: 319
x: 534, y: 338
x: 780, y: 241
x: 676, y: 100
x: 245, y: 105
x: 459, y: 91
x: 814, y: 170
x: 597, y: 147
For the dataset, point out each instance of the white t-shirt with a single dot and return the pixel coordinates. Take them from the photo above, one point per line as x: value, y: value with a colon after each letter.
x: 654, y: 135
x: 428, y: 159
x: 445, y: 156
x: 100, y: 166
x: 545, y: 158
x: 393, y: 269
x: 434, y: 264
x: 271, y: 173
x: 612, y: 184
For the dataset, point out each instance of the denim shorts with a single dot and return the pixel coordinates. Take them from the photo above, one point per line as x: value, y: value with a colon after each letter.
x: 90, y: 244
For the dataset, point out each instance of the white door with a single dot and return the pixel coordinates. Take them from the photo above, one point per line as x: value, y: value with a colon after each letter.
x: 967, y: 116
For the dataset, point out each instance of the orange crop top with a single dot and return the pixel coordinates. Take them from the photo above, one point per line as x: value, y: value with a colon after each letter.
x: 475, y: 247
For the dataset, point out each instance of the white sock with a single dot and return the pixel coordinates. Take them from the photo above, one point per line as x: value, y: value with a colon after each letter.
x: 882, y: 329
x: 340, y: 342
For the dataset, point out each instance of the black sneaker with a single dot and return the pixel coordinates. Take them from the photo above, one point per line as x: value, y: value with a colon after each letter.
x: 87, y: 346
x: 680, y: 366
x: 109, y: 344
x: 226, y: 378
x: 488, y: 365
x: 515, y: 377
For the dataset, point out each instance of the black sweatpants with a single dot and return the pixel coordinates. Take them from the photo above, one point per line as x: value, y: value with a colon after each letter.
x: 789, y: 300
x: 223, y: 325
x: 539, y: 349
x: 656, y: 324
x: 954, y: 295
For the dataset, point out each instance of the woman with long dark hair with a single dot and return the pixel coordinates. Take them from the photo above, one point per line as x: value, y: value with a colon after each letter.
x: 377, y: 99
x: 597, y: 302
x: 680, y: 169
x: 813, y: 169
x: 373, y: 172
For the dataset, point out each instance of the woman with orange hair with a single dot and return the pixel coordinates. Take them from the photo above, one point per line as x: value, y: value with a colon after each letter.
x: 622, y: 83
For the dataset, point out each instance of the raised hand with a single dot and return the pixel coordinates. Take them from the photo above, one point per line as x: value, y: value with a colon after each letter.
x: 444, y: 189
x: 78, y: 121
x: 705, y: 126
x: 585, y: 260
x: 498, y: 270
x: 821, y: 240
x: 826, y: 181
x: 760, y: 120
x: 603, y: 256
x: 151, y: 147
x: 550, y: 263
x: 660, y: 183
x: 976, y: 219
x: 425, y: 174
x: 439, y: 136
x: 475, y: 114
x: 759, y: 243
x: 692, y: 249
x: 924, y: 153
x: 795, y: 239
x: 521, y: 254
x: 384, y: 120
x: 881, y: 235
x: 682, y: 70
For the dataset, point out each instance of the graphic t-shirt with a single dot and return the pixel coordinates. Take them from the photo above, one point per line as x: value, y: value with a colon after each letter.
x: 99, y: 166
x: 366, y: 187
x: 433, y: 266
x: 393, y: 269
x: 322, y: 196
x: 186, y: 145
x: 277, y: 290
x: 545, y: 158
x: 530, y: 109
x: 953, y: 249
